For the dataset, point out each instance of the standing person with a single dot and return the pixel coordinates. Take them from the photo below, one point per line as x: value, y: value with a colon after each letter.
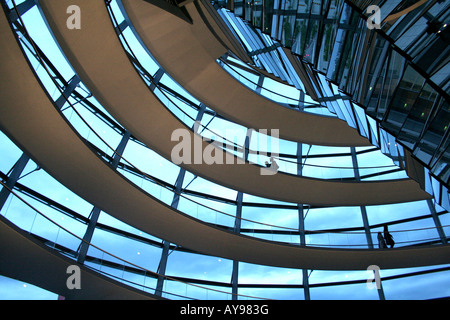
x: 381, y: 242
x: 388, y: 237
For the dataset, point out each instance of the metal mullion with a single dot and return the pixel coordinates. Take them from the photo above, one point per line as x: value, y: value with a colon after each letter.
x: 22, y: 8
x: 238, y: 222
x: 13, y: 177
x: 437, y: 222
x: 301, y: 219
x: 365, y: 217
x: 166, y: 244
x: 382, y: 60
x: 95, y: 213
x: 175, y: 202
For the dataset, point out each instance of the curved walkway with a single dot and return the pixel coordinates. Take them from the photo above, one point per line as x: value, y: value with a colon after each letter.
x: 25, y: 259
x: 188, y: 52
x: 100, y: 61
x: 36, y: 126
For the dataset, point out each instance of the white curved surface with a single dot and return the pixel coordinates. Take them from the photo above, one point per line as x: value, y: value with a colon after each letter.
x: 34, y: 124
x: 188, y: 52
x: 32, y: 262
x: 100, y: 61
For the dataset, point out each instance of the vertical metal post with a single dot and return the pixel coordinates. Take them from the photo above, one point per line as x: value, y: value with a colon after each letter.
x: 364, y: 216
x: 381, y: 292
x: 67, y: 91
x: 166, y: 244
x: 84, y: 246
x: 237, y: 229
x: 22, y: 8
x: 18, y: 168
x: 237, y: 223
x: 175, y: 200
x: 301, y: 100
x: 122, y: 26
x: 260, y: 83
x: 301, y: 218
x: 162, y: 268
x: 95, y: 213
x: 156, y: 78
x: 363, y: 208
x: 437, y: 222
x: 301, y: 222
x: 120, y: 149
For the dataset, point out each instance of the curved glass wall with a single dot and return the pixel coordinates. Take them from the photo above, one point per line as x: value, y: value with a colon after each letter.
x: 215, y: 128
x: 398, y: 72
x: 191, y: 275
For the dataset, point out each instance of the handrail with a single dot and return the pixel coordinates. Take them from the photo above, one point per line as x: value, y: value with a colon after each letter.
x: 307, y: 104
x: 156, y: 274
x: 284, y: 232
x: 140, y: 171
x: 144, y: 73
x: 113, y: 255
x: 110, y: 147
x: 430, y: 173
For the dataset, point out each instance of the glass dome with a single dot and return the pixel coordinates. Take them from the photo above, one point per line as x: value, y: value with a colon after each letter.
x: 90, y: 101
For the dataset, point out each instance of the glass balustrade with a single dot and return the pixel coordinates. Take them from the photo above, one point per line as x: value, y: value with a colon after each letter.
x: 207, y: 276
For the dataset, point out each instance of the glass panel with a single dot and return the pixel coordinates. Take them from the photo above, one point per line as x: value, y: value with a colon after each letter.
x: 419, y: 287
x: 12, y: 289
x: 404, y: 99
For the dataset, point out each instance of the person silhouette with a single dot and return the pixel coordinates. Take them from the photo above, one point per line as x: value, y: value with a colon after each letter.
x: 388, y: 237
x: 381, y: 242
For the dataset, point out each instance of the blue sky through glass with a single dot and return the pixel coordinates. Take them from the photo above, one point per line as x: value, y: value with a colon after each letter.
x: 196, y: 265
